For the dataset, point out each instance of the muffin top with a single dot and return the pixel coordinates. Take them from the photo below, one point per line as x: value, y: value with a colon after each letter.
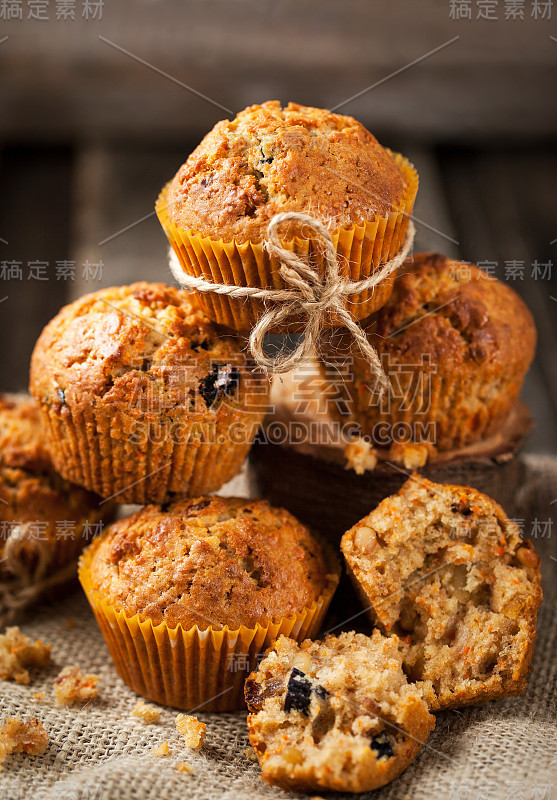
x: 209, y: 561
x: 456, y: 314
x: 30, y: 490
x: 271, y: 159
x: 146, y: 345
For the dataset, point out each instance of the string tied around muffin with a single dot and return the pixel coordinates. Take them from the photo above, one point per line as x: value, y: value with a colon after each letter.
x: 308, y: 294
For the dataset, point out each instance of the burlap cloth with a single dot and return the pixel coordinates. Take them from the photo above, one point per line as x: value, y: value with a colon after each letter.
x: 504, y: 750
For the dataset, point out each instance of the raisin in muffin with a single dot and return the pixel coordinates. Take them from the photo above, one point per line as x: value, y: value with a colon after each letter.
x: 141, y: 398
x: 230, y: 571
x: 456, y: 345
x: 442, y: 568
x: 271, y: 159
x: 335, y: 714
x: 45, y: 521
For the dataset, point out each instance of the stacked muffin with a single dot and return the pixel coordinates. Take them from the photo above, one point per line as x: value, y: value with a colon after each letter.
x: 144, y: 398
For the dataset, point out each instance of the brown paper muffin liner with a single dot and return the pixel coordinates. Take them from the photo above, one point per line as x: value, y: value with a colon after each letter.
x: 136, y: 460
x: 194, y: 669
x: 361, y: 249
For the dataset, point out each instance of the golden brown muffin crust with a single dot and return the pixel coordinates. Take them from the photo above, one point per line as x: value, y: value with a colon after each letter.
x: 146, y: 345
x: 209, y: 561
x: 456, y: 345
x: 271, y: 159
x: 457, y: 313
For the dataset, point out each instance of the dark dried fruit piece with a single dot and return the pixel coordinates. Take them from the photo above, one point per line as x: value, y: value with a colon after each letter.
x: 381, y: 744
x: 298, y: 692
x: 256, y: 693
x: 197, y: 506
x: 221, y: 382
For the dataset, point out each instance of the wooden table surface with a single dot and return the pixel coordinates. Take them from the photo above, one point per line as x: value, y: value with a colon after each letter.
x: 93, y: 203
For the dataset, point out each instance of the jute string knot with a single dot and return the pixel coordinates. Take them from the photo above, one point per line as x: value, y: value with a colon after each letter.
x: 25, y: 558
x: 309, y: 295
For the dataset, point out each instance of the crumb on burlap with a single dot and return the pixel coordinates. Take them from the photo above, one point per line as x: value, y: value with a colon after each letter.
x: 360, y: 456
x: 147, y: 713
x: 192, y: 730
x: 411, y: 455
x: 17, y: 652
x: 18, y: 736
x: 161, y: 750
x: 185, y: 768
x: 74, y: 686
x: 249, y: 754
x: 39, y: 696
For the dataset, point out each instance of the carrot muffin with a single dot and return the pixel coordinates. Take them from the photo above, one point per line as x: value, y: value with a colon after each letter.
x: 335, y: 714
x: 442, y: 568
x: 141, y: 399
x: 456, y: 345
x: 230, y: 571
x: 44, y: 521
x: 271, y: 159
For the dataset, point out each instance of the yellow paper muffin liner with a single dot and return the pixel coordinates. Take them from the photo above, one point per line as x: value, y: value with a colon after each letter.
x: 361, y: 250
x: 193, y: 668
x: 118, y: 455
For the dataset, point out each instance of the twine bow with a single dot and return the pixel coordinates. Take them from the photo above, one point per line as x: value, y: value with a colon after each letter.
x: 309, y: 295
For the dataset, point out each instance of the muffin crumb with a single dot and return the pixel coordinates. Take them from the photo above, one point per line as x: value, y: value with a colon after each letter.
x: 360, y: 456
x: 74, y: 686
x: 39, y: 696
x: 161, y: 750
x: 410, y: 455
x: 17, y: 652
x: 192, y: 730
x: 147, y: 713
x: 18, y: 736
x: 185, y: 768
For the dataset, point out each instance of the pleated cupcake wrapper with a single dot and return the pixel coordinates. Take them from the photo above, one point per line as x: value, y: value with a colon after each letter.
x: 449, y: 430
x: 361, y: 249
x: 193, y: 669
x: 95, y: 449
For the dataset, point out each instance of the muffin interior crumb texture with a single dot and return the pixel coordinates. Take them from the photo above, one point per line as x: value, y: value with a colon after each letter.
x: 74, y: 686
x: 18, y: 653
x: 209, y: 561
x: 335, y: 714
x: 271, y: 159
x: 18, y: 736
x: 448, y: 574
